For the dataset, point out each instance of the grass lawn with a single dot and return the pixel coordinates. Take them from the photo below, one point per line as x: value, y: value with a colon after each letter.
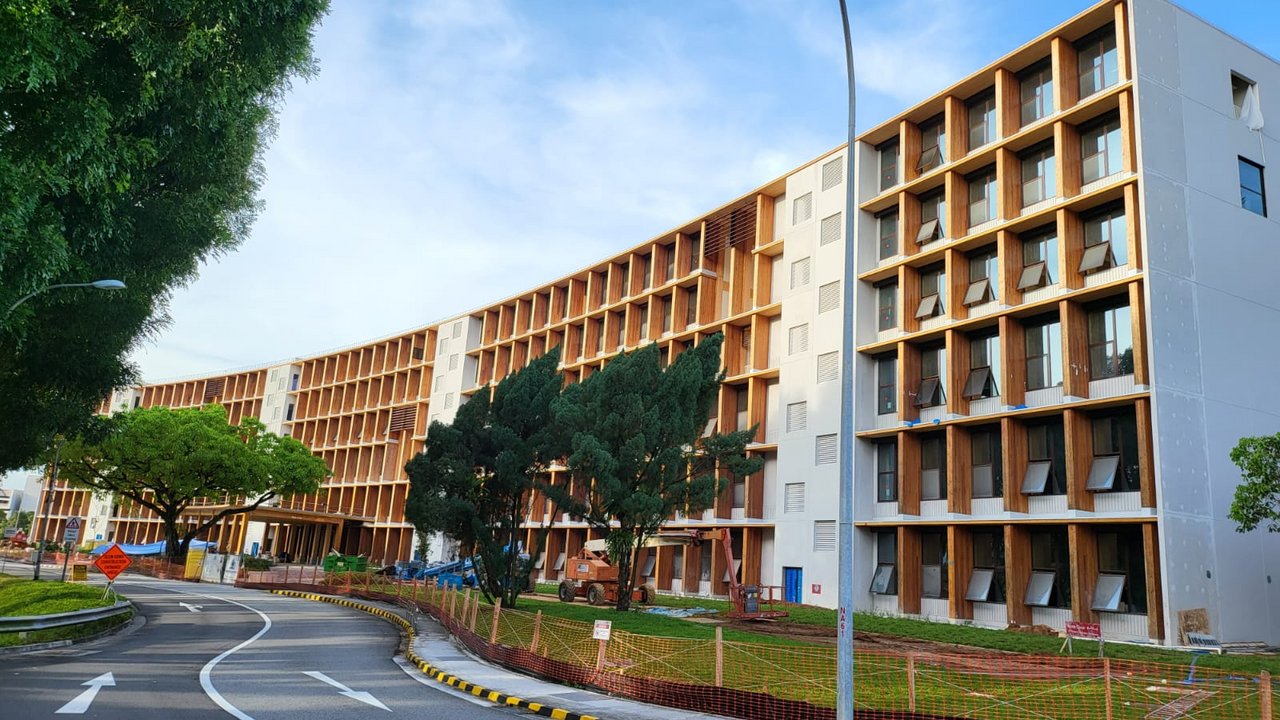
x: 19, y: 597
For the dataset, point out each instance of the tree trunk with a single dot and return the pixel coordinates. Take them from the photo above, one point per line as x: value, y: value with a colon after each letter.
x: 625, y: 579
x: 174, y: 549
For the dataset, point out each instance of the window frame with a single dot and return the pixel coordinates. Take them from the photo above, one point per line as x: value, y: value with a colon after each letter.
x: 934, y: 558
x: 1045, y: 161
x: 1121, y: 429
x: 886, y: 568
x: 990, y: 386
x: 938, y: 442
x: 1060, y: 583
x: 982, y: 288
x: 894, y: 247
x: 932, y: 224
x: 1104, y: 219
x: 1104, y: 68
x: 1261, y: 192
x: 931, y: 304
x: 1051, y: 344
x: 896, y: 148
x: 1033, y: 277
x: 1042, y: 97
x: 985, y: 103
x: 991, y: 438
x: 887, y: 314
x: 1055, y: 480
x: 1106, y: 133
x: 1114, y: 333
x: 887, y: 479
x: 935, y: 155
x: 887, y: 404
x: 986, y: 180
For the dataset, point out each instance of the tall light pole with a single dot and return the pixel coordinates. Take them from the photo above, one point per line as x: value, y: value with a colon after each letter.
x: 844, y: 647
x: 96, y: 284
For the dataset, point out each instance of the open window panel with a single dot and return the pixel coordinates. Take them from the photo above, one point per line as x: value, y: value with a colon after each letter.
x: 1040, y: 588
x: 930, y: 393
x: 984, y: 481
x: 559, y: 562
x: 980, y: 584
x: 647, y: 569
x: 884, y: 582
x: 728, y: 574
x: 930, y: 230
x: 930, y: 158
x: 710, y: 427
x: 1097, y: 257
x: 1108, y: 592
x: 542, y: 559
x: 1102, y: 474
x: 930, y: 306
x: 979, y: 292
x: 979, y: 384
x: 1036, y: 480
x: 1035, y: 275
x: 931, y: 582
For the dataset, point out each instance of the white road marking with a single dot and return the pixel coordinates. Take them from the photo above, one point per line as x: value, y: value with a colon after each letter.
x: 363, y: 697
x: 206, y: 672
x: 412, y: 671
x: 81, y: 702
x: 192, y: 608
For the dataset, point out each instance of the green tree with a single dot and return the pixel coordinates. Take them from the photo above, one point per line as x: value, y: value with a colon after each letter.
x: 474, y: 478
x: 168, y: 460
x: 637, y: 439
x: 131, y: 134
x: 1257, y: 498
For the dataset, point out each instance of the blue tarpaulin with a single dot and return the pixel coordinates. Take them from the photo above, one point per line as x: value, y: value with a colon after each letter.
x: 156, y: 548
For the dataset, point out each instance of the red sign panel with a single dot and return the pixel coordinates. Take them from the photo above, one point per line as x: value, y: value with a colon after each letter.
x: 112, y: 562
x: 1084, y: 630
x: 815, y: 588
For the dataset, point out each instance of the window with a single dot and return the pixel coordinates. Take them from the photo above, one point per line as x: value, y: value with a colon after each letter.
x: 691, y: 309
x: 933, y: 212
x: 830, y: 231
x: 1098, y: 64
x: 453, y: 361
x: 829, y: 296
x: 888, y: 226
x: 1046, y: 459
x: 824, y: 536
x: 802, y: 209
x: 982, y: 197
x: 983, y: 273
x: 1036, y: 83
x: 987, y: 476
x: 984, y: 366
x: 1240, y: 88
x: 887, y: 471
x: 932, y: 281
x: 1050, y: 583
x: 1100, y: 150
x: 667, y: 302
x: 1115, y: 453
x: 933, y: 367
x: 828, y: 367
x: 695, y: 250
x: 825, y: 450
x: 646, y: 271
x: 669, y: 256
x: 1039, y: 260
x: 798, y: 340
x: 933, y: 564
x: 933, y: 467
x: 1106, y: 242
x: 933, y: 138
x: 887, y: 306
x: 1039, y: 174
x: 797, y: 415
x: 982, y: 120
x: 1253, y: 188
x: 793, y: 498
x: 887, y: 385
x: 885, y: 580
x: 987, y: 582
x: 1044, y: 354
x: 1110, y: 341
x: 1122, y: 581
x: 800, y: 273
x: 888, y: 164
x: 832, y: 173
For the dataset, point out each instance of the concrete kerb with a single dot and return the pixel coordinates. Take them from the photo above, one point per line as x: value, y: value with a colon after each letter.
x: 434, y: 673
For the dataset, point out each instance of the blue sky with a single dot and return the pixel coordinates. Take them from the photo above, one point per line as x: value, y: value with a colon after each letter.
x: 454, y: 152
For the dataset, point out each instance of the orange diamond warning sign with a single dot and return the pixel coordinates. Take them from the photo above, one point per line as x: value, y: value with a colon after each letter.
x: 112, y: 562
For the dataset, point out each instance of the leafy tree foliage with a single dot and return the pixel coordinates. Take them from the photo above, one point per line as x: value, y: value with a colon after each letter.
x: 1257, y: 499
x: 167, y: 460
x: 474, y: 478
x: 637, y: 439
x: 131, y: 133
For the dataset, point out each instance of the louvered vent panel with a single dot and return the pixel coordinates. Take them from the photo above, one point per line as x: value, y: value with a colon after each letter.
x: 829, y: 297
x: 830, y: 229
x: 832, y: 173
x: 793, y: 497
x: 825, y: 450
x: 824, y: 535
x: 800, y: 270
x: 403, y: 418
x: 828, y: 367
x: 797, y: 416
x: 799, y: 339
x: 802, y: 209
x: 214, y: 388
x: 731, y: 227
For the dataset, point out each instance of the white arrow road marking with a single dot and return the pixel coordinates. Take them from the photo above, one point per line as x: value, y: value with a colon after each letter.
x: 192, y: 608
x: 363, y: 697
x: 82, y: 701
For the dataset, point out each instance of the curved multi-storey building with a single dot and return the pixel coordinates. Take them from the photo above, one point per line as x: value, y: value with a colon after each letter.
x: 1064, y: 320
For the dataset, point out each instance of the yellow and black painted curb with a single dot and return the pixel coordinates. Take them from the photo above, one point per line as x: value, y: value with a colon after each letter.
x: 435, y: 673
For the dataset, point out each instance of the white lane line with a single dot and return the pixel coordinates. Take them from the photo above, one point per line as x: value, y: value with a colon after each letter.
x: 205, y: 672
x: 80, y: 703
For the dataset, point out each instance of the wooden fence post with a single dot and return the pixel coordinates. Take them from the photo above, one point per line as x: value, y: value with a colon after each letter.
x: 1106, y: 677
x: 911, y: 682
x: 719, y: 656
x: 600, y: 655
x: 493, y: 630
x: 1264, y: 694
x: 537, y: 628
x: 475, y: 610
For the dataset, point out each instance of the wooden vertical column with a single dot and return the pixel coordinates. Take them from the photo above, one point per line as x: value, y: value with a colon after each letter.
x: 1128, y: 135
x: 909, y: 150
x: 1017, y: 563
x: 908, y: 380
x: 908, y: 224
x: 1075, y: 347
x: 956, y: 222
x: 1008, y: 103
x: 1013, y: 351
x: 666, y: 558
x: 1084, y: 571
x: 1066, y: 74
x: 959, y: 568
x: 1155, y: 591
x: 1123, y: 52
x: 752, y: 555
x: 1014, y: 459
x: 956, y: 267
x: 909, y: 570
x: 1133, y: 225
x: 1079, y: 437
x: 955, y: 119
x: 1009, y: 247
x: 909, y: 473
x: 959, y: 470
x: 1070, y: 248
x: 1138, y: 317
x: 1066, y: 152
x: 1009, y: 186
x: 958, y: 371
x: 1146, y: 452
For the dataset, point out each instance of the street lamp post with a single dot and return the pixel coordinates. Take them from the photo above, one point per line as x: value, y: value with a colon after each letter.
x: 48, y: 501
x: 844, y: 648
x: 96, y: 284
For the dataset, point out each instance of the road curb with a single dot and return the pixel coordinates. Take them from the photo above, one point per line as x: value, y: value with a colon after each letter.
x: 435, y: 673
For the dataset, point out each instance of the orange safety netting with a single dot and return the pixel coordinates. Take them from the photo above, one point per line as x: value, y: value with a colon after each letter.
x: 763, y: 680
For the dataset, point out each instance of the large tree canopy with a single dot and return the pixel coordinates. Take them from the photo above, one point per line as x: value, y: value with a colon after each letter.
x: 637, y: 440
x: 1257, y: 499
x: 474, y: 478
x: 167, y: 460
x: 131, y: 133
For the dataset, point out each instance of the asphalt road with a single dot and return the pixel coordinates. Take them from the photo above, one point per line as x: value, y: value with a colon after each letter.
x: 233, y: 652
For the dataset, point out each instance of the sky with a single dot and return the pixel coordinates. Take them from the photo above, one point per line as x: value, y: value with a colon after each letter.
x: 451, y: 153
